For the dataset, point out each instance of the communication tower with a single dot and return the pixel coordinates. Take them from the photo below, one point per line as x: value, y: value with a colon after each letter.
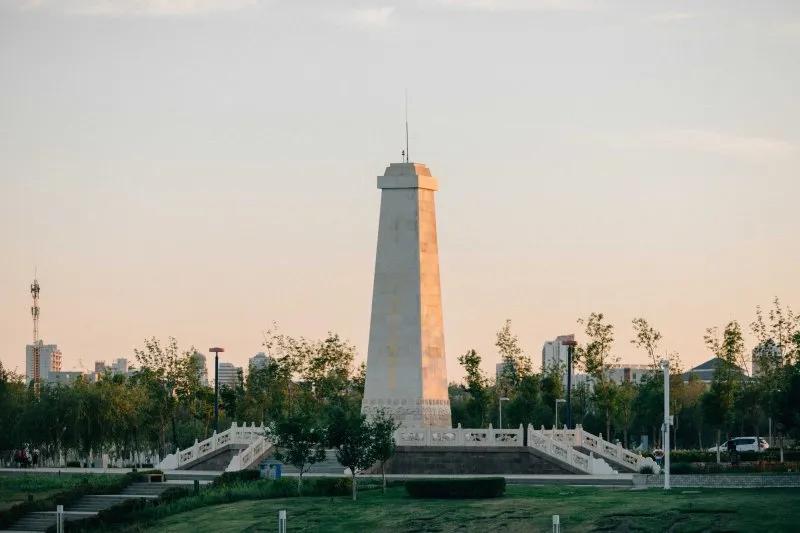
x: 37, y: 370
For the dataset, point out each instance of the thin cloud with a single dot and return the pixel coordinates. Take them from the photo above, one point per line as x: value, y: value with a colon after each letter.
x: 674, y: 16
x: 712, y: 142
x: 520, y: 5
x: 118, y: 8
x: 370, y: 18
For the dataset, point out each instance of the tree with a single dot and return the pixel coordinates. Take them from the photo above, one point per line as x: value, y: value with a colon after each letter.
x: 596, y: 359
x: 299, y: 442
x: 624, y: 404
x: 515, y: 363
x: 718, y: 403
x: 383, y: 443
x: 352, y: 436
x: 647, y: 338
x: 477, y: 388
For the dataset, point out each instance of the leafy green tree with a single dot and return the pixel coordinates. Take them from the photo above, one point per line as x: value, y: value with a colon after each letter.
x: 300, y: 441
x: 352, y: 435
x: 477, y: 388
x: 515, y: 364
x: 383, y: 444
x: 596, y: 359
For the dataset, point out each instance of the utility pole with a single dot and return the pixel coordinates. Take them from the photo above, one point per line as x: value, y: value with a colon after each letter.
x: 216, y: 351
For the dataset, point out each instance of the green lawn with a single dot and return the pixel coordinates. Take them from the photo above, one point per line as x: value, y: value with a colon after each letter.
x: 523, y: 508
x: 15, y: 488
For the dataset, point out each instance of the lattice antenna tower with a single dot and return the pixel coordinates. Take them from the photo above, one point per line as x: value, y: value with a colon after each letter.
x: 37, y: 369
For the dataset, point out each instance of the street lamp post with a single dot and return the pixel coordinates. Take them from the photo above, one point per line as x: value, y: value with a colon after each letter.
x: 558, y: 401
x: 667, y: 422
x: 216, y: 351
x: 570, y: 353
x: 500, y: 409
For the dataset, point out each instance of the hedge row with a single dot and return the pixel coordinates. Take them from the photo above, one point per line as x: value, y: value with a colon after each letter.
x: 725, y: 468
x: 482, y: 487
x: 702, y: 456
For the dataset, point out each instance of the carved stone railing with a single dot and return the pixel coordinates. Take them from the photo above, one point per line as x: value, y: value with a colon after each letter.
x: 238, y: 435
x: 459, y: 436
x: 544, y: 442
x: 246, y: 457
x: 579, y: 437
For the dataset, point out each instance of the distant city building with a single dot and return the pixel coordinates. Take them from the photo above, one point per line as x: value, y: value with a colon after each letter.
x: 499, y: 369
x: 556, y: 352
x: 706, y: 371
x: 229, y: 375
x: 99, y: 367
x: 49, y: 361
x: 120, y: 366
x: 259, y: 361
x: 66, y: 377
x: 199, y: 361
x: 628, y: 373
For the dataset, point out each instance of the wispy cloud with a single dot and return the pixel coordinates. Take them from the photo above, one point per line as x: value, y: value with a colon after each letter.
x: 520, y: 5
x: 711, y: 142
x: 674, y: 16
x: 117, y: 8
x: 371, y: 17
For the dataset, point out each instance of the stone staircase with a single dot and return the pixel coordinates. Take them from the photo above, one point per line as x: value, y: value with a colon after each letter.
x: 236, y: 448
x: 327, y: 466
x: 594, y: 445
x: 89, y: 505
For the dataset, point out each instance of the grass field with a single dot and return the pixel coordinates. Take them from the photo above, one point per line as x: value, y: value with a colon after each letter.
x: 15, y: 488
x: 524, y: 508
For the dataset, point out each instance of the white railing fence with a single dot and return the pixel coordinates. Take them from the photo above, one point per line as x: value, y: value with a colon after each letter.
x: 246, y: 457
x: 240, y: 435
x: 597, y: 444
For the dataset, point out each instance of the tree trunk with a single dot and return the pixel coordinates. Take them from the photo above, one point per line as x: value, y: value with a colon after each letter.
x: 383, y: 475
x: 718, y: 432
x: 355, y: 487
x: 300, y: 483
x: 608, y: 425
x: 700, y: 438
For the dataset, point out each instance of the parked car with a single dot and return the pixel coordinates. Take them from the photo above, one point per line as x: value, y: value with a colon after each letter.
x: 743, y: 444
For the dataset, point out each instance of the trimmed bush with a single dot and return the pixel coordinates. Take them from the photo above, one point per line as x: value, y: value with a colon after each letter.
x: 482, y: 487
x: 229, y: 478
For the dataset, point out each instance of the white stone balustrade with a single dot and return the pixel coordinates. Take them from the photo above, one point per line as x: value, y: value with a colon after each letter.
x: 246, y: 457
x: 459, y: 436
x: 240, y: 435
x: 614, y: 451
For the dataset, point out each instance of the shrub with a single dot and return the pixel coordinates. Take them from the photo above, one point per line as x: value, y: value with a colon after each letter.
x: 229, y: 478
x: 646, y: 469
x: 483, y: 487
x: 329, y: 486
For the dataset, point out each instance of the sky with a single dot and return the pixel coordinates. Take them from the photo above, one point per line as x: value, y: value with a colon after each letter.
x: 204, y: 168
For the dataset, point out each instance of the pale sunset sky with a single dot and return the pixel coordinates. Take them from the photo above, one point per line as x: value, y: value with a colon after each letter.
x: 202, y: 168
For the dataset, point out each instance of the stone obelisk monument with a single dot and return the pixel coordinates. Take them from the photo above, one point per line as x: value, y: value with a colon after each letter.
x: 406, y: 373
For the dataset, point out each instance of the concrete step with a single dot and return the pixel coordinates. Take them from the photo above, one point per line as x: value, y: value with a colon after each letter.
x: 328, y: 466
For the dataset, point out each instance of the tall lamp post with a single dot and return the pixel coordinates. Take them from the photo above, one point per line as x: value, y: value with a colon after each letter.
x: 571, y: 344
x: 216, y: 351
x: 667, y: 422
x: 558, y: 401
x: 500, y: 409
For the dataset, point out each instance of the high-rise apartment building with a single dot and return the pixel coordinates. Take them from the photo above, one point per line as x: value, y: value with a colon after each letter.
x: 49, y: 361
x: 229, y: 375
